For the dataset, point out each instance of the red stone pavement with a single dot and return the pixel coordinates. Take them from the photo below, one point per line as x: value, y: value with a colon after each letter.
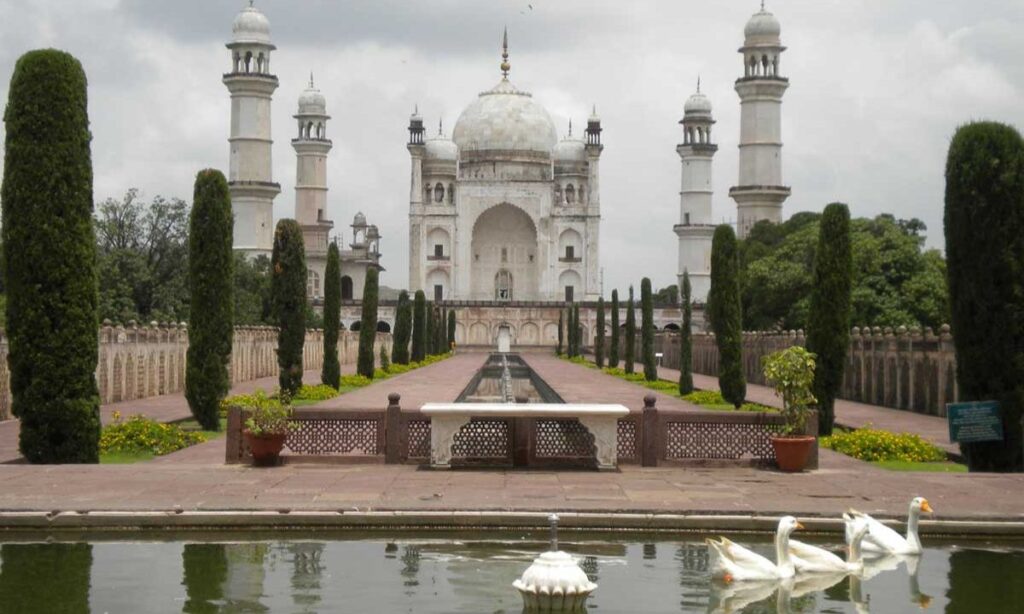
x: 198, y: 479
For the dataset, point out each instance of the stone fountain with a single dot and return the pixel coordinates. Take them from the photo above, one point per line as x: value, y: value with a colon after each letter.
x: 554, y: 583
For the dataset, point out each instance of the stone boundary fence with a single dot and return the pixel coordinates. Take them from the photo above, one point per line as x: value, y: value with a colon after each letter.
x: 899, y: 368
x: 138, y: 362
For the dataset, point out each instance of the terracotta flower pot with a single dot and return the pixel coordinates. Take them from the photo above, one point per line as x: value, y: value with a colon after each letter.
x: 791, y: 453
x: 265, y: 449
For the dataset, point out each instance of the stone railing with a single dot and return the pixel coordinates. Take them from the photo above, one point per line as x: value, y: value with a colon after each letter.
x: 903, y: 369
x: 137, y: 362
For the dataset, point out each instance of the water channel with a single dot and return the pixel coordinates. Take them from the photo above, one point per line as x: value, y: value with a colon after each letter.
x: 507, y: 378
x: 430, y: 572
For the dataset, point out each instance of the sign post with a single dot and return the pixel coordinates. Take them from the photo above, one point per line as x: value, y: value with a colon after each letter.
x: 974, y: 422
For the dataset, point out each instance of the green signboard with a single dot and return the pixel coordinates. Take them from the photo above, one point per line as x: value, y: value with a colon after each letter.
x: 974, y: 422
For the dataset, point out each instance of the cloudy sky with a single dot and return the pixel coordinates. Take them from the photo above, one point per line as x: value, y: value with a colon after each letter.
x: 877, y: 89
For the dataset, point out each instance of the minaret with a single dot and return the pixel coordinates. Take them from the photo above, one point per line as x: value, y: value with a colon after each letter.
x: 594, y: 148
x: 311, y: 149
x: 250, y: 177
x: 417, y: 151
x: 695, y: 228
x: 760, y: 193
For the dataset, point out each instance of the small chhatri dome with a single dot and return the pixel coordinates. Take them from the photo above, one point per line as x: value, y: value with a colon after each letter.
x: 506, y: 119
x: 570, y: 149
x: 312, y: 102
x: 763, y: 29
x: 251, y: 26
x: 441, y: 147
x: 698, y: 104
x: 360, y: 219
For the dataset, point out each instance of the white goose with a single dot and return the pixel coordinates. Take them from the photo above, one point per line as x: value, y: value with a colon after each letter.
x: 732, y: 562
x: 814, y: 560
x: 881, y: 538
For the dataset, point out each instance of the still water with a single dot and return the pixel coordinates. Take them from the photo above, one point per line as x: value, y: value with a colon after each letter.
x: 410, y: 573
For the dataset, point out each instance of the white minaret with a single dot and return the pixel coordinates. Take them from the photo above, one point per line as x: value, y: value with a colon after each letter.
x: 311, y: 149
x: 252, y: 87
x: 695, y: 228
x: 760, y: 192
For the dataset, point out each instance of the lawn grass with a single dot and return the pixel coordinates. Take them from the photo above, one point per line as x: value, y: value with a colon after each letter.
x: 944, y: 467
x: 126, y: 458
x: 191, y: 425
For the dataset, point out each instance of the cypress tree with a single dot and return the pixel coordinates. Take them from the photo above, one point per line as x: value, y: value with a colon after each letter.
x: 49, y: 260
x: 686, y: 339
x: 561, y: 326
x: 828, y: 323
x: 419, y: 322
x: 288, y: 291
x: 613, y: 351
x: 368, y: 324
x: 725, y: 313
x: 577, y: 340
x: 428, y: 334
x: 599, y: 344
x: 403, y: 330
x: 984, y: 220
x: 629, y: 352
x: 211, y: 286
x: 442, y: 330
x: 451, y: 331
x: 647, y: 330
x: 331, y: 372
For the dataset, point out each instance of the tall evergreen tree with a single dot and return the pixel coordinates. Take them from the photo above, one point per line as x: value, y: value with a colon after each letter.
x: 561, y: 334
x: 428, y: 334
x: 368, y: 324
x: 49, y: 260
x: 726, y: 314
x: 984, y: 221
x: 451, y: 331
x: 577, y: 340
x: 211, y: 285
x: 403, y: 330
x: 288, y: 289
x: 629, y: 352
x: 686, y: 339
x: 647, y: 331
x: 330, y: 374
x: 613, y: 350
x: 442, y: 331
x: 828, y: 324
x: 599, y: 343
x: 419, y: 323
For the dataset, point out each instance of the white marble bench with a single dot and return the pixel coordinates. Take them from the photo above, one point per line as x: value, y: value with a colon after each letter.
x: 446, y: 419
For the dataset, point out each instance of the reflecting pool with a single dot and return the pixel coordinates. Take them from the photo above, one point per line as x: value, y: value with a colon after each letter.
x: 473, y: 573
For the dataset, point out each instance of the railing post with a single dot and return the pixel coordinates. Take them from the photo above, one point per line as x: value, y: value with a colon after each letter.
x: 649, y: 428
x: 233, y: 449
x: 393, y: 430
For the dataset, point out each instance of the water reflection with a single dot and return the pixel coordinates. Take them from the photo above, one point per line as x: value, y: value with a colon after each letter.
x: 51, y: 578
x: 205, y: 568
x: 474, y: 575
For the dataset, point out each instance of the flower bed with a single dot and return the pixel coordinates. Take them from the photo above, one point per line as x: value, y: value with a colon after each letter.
x: 868, y: 444
x: 139, y: 435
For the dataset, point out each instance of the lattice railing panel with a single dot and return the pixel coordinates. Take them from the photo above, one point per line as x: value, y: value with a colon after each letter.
x: 334, y: 436
x: 565, y: 438
x: 483, y: 438
x: 419, y: 438
x: 717, y: 440
x: 627, y: 441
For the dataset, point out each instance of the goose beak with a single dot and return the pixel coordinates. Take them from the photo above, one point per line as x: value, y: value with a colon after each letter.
x: 800, y: 526
x: 925, y: 507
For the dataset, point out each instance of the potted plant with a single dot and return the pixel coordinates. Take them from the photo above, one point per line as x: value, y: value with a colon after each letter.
x: 267, y: 427
x: 791, y: 373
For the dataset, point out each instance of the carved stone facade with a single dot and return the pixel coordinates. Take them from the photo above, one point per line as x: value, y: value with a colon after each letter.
x: 902, y: 369
x: 141, y: 362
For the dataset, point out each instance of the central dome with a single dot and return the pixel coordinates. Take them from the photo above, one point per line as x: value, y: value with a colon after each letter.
x: 507, y: 119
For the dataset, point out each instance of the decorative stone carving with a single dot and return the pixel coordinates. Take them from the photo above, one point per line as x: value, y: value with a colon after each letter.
x: 555, y: 582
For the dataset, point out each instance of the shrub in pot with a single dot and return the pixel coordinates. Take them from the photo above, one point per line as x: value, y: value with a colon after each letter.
x: 267, y: 427
x: 791, y: 373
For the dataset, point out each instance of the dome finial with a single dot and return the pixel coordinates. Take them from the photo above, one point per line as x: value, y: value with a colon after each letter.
x: 252, y: 2
x: 570, y: 127
x: 311, y: 79
x: 698, y: 84
x: 762, y: 5
x: 440, y: 126
x: 505, y: 66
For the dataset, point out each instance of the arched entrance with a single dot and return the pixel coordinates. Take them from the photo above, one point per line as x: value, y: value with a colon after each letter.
x: 504, y: 260
x: 346, y: 288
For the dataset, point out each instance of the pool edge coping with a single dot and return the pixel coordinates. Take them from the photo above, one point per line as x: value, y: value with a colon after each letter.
x: 286, y: 519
